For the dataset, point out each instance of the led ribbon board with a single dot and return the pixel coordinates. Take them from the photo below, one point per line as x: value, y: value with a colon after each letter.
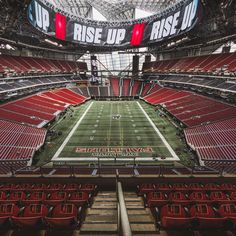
x: 170, y: 24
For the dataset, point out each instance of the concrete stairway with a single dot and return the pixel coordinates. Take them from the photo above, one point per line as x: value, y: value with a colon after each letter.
x: 101, y: 218
x: 141, y: 219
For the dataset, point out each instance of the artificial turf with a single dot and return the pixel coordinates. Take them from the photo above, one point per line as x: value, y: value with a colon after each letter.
x: 113, y: 129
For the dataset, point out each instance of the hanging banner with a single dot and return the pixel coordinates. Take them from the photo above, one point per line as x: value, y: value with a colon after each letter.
x: 181, y: 19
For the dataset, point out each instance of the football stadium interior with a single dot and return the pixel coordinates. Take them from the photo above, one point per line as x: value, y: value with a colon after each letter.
x: 118, y: 117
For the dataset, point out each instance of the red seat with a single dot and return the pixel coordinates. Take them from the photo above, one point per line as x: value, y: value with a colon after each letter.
x: 78, y: 198
x: 156, y: 199
x: 211, y: 187
x: 7, y: 187
x: 199, y: 198
x: 63, y: 215
x: 71, y: 187
x: 54, y: 187
x: 180, y: 187
x: 227, y: 210
x: 202, y: 210
x: 35, y: 198
x: 15, y: 197
x: 32, y: 216
x: 56, y: 198
x: 7, y: 211
x: 38, y: 187
x: 146, y: 188
x: 174, y: 217
x: 233, y: 196
x: 3, y: 196
x: 178, y: 198
x: 219, y: 197
x: 228, y: 187
x: 22, y: 187
x: 196, y: 187
x: 88, y: 188
x: 204, y: 217
x: 164, y: 187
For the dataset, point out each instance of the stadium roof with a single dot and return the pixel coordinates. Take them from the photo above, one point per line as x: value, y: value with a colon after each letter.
x: 111, y: 9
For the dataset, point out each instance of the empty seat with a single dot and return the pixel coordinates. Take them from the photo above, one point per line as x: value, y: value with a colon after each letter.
x: 178, y: 198
x: 219, y: 197
x: 35, y: 198
x: 15, y: 197
x: 79, y: 198
x: 7, y: 211
x: 204, y: 217
x: 88, y: 188
x: 199, y: 197
x: 63, y: 215
x: 175, y: 217
x: 31, y: 216
x: 156, y: 199
x: 56, y: 198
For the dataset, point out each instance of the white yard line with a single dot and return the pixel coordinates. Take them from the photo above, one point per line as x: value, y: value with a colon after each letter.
x: 172, y: 152
x: 70, y: 134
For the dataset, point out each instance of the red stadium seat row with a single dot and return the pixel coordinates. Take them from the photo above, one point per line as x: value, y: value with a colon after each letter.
x: 39, y: 109
x: 191, y: 109
x: 65, y: 95
x: 19, y: 141
x: 197, y: 217
x: 161, y: 198
x: 182, y: 187
x: 29, y: 65
x: 208, y: 64
x: 40, y: 216
x: 77, y: 197
x: 163, y: 95
x: 6, y: 167
x: 228, y: 167
x: 44, y: 205
x: 146, y: 89
x: 191, y: 206
x: 215, y: 141
x: 29, y: 187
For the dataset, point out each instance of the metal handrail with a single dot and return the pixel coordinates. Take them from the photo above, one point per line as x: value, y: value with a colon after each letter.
x: 124, y: 228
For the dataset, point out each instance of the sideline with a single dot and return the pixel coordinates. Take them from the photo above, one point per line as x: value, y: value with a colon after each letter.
x: 58, y: 152
x: 172, y: 152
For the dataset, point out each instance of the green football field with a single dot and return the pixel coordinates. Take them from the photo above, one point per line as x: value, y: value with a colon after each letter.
x: 116, y: 129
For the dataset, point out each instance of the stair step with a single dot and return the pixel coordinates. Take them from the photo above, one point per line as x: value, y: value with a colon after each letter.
x: 99, y: 228
x: 147, y: 234
x: 101, y: 218
x: 98, y: 204
x: 137, y: 207
x: 130, y: 194
x: 107, y: 207
x: 105, y: 199
x: 140, y: 219
x: 133, y: 199
x: 138, y: 212
x: 134, y: 203
x: 106, y: 194
x: 101, y: 212
x: 143, y: 228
